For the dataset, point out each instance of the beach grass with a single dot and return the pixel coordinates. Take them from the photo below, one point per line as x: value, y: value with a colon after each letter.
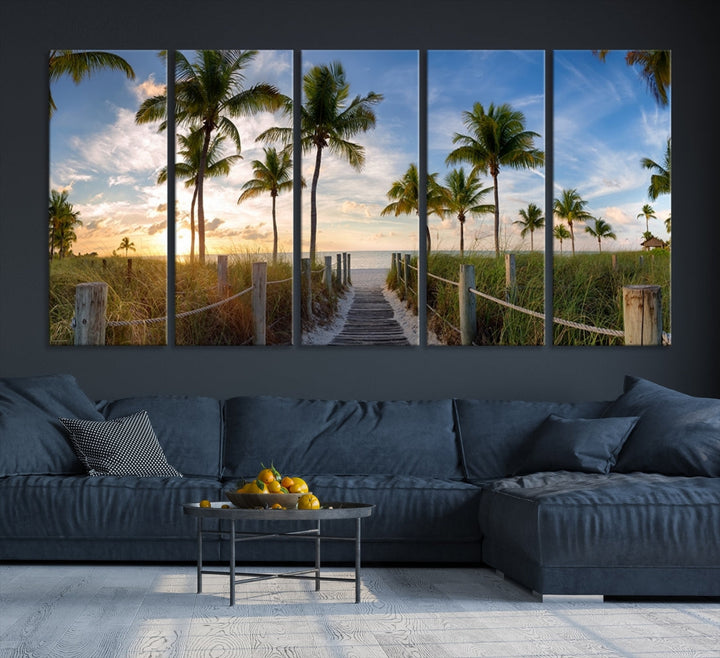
x: 140, y: 294
x: 586, y: 289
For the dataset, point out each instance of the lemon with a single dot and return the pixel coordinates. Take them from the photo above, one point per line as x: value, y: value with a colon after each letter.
x: 308, y: 501
x: 205, y: 503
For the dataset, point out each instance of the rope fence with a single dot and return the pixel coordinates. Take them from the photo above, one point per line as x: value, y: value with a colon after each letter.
x: 90, y: 323
x: 641, y: 305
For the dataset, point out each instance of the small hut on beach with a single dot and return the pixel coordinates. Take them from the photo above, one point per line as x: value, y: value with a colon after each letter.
x: 653, y: 243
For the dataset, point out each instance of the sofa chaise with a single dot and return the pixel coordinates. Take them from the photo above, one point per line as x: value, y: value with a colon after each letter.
x: 614, y: 498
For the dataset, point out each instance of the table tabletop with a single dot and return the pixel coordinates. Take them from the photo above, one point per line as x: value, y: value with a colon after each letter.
x: 331, y: 510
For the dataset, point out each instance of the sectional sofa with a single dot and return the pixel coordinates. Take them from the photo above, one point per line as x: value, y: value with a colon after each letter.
x: 614, y: 497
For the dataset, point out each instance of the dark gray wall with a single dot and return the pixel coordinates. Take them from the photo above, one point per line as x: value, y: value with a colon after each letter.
x: 29, y: 28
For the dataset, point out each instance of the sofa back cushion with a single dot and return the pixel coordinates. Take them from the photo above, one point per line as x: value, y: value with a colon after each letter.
x: 677, y: 434
x: 32, y: 439
x: 188, y: 428
x: 331, y: 437
x: 495, y: 434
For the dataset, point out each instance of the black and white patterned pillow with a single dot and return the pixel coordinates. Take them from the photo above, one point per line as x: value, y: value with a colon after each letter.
x: 122, y: 446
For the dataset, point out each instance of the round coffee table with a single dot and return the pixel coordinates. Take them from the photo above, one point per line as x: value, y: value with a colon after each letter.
x: 329, y: 512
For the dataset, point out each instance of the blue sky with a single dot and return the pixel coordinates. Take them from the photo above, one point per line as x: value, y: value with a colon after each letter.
x: 605, y: 121
x: 457, y: 80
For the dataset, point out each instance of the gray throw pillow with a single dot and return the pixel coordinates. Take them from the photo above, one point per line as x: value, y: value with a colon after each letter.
x: 588, y: 445
x: 677, y: 434
x: 122, y: 446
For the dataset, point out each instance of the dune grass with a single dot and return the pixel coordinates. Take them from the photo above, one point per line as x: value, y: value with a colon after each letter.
x: 141, y: 294
x: 586, y: 289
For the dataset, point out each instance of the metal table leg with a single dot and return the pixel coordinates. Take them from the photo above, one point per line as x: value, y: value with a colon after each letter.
x: 199, y: 552
x: 232, y: 561
x: 357, y: 560
x: 317, y: 559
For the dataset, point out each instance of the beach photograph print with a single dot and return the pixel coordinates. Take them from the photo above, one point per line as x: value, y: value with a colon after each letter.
x: 359, y: 131
x: 611, y: 197
x: 486, y: 197
x: 233, y: 193
x: 107, y: 233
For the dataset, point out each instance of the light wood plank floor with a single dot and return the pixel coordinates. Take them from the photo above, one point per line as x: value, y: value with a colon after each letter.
x: 79, y: 611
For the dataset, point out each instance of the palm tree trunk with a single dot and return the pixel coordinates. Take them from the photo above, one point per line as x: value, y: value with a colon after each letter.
x: 313, y: 205
x: 462, y: 238
x: 275, y: 230
x: 497, y: 215
x: 192, y: 224
x: 532, y: 247
x: 200, y: 185
x: 600, y: 245
x: 572, y: 235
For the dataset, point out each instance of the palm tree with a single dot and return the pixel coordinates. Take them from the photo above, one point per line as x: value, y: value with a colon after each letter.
x: 216, y: 166
x: 532, y: 220
x: 463, y: 196
x: 647, y: 212
x: 126, y: 245
x: 404, y: 193
x: 328, y: 119
x: 655, y: 70
x: 571, y: 207
x: 79, y: 64
x: 668, y: 224
x: 62, y: 221
x: 496, y: 138
x: 660, y: 180
x: 601, y: 230
x: 209, y: 93
x: 561, y: 233
x: 273, y: 175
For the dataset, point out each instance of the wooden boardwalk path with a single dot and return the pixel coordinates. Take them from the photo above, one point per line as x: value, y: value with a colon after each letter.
x: 370, y: 320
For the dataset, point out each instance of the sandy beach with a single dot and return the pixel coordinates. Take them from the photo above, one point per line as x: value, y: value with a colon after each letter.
x: 368, y: 279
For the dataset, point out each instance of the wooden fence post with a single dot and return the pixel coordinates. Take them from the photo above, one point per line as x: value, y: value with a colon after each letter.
x: 259, y: 303
x: 613, y: 260
x: 339, y: 269
x: 468, y: 313
x: 642, y: 315
x: 328, y: 274
x: 307, y: 279
x: 510, y: 279
x: 90, y: 308
x: 349, y: 269
x: 345, y: 273
x: 222, y: 275
x: 406, y: 275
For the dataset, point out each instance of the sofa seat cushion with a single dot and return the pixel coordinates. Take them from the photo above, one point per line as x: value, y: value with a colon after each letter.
x: 32, y: 439
x: 104, y: 507
x: 333, y: 437
x: 189, y: 429
x: 496, y: 434
x: 592, y: 520
x: 408, y: 509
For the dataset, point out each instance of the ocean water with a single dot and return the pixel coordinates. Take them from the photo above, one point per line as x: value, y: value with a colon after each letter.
x: 364, y: 260
x: 360, y: 260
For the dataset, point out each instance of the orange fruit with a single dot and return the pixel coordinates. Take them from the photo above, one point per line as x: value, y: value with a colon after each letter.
x: 299, y: 486
x: 257, y: 487
x: 266, y: 475
x: 277, y: 506
x: 287, y: 482
x: 308, y: 501
x: 205, y: 503
x: 274, y: 487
